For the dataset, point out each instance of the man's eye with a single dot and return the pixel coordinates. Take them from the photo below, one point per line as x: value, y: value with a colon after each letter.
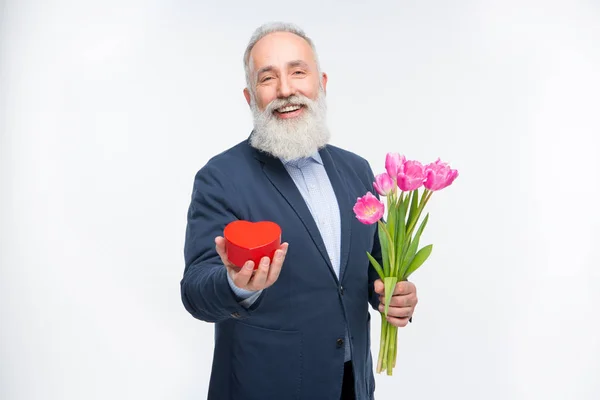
x: 266, y: 78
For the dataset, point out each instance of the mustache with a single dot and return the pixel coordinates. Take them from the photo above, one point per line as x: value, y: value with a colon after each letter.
x: 288, y: 101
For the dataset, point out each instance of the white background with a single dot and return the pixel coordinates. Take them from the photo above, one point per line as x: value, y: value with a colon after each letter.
x: 109, y: 108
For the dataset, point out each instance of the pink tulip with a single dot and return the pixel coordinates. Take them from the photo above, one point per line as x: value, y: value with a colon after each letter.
x: 438, y: 175
x: 393, y: 164
x: 383, y: 184
x: 368, y: 209
x: 411, y: 176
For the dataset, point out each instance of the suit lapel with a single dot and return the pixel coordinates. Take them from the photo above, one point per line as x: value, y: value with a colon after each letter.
x: 279, y: 177
x: 344, y: 203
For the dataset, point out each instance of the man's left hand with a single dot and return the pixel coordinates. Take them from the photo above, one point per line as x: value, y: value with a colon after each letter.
x: 402, y: 304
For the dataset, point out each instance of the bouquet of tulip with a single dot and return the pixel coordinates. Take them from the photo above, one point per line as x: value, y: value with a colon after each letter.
x: 401, y: 256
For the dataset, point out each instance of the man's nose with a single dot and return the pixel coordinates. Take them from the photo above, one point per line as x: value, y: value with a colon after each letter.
x: 286, y: 88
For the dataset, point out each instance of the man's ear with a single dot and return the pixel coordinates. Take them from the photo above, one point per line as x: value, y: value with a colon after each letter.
x: 324, y: 81
x: 247, y: 95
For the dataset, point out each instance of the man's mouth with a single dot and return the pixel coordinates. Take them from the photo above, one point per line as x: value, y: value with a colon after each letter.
x: 289, y: 108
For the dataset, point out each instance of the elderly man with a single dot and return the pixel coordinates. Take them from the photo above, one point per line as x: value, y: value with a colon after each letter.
x: 297, y: 326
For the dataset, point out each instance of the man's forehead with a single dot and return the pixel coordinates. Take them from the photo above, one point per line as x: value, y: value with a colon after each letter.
x: 281, y: 48
x: 289, y: 64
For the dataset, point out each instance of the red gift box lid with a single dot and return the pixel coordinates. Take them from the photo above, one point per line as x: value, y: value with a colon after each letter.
x: 246, y: 240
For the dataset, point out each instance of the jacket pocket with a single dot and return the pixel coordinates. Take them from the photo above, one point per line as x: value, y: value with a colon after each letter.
x: 267, y: 363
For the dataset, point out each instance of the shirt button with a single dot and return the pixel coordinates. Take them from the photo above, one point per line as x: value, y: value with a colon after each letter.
x: 340, y: 342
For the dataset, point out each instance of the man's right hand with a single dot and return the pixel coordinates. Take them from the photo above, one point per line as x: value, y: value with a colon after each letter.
x: 246, y: 277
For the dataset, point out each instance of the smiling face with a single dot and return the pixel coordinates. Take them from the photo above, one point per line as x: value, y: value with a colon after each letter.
x: 283, y: 64
x: 287, y: 96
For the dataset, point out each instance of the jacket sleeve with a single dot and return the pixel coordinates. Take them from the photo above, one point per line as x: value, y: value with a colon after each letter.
x: 205, y: 291
x: 373, y: 275
x: 376, y: 250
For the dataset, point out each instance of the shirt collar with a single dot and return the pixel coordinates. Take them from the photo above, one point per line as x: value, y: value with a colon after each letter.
x: 300, y: 162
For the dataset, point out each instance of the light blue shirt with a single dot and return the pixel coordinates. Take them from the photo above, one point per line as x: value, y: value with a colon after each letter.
x: 311, y: 178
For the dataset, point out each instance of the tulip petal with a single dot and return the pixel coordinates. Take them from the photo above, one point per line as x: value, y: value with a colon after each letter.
x: 439, y: 175
x: 411, y: 176
x: 368, y: 209
x: 394, y: 163
x: 383, y: 184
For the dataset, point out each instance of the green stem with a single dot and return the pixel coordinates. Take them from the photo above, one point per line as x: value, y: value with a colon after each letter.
x: 397, y: 257
x: 406, y: 240
x: 390, y: 349
x: 395, y: 347
x: 391, y: 250
x: 424, y: 199
x: 382, y: 342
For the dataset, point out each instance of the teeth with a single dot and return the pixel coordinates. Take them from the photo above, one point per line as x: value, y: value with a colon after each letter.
x: 288, y: 109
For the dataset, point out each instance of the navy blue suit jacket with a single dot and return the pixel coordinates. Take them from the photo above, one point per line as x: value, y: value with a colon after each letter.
x: 290, y: 343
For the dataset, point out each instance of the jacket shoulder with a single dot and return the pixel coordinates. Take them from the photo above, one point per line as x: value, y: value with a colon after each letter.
x: 228, y: 161
x: 347, y: 155
x: 356, y: 166
x: 359, y: 165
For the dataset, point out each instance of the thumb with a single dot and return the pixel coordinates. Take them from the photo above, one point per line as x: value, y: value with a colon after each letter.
x: 379, y: 286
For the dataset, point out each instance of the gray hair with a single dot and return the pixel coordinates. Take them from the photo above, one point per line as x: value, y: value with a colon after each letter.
x: 263, y: 31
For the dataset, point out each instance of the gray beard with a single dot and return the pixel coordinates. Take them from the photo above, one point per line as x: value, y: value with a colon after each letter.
x: 294, y: 138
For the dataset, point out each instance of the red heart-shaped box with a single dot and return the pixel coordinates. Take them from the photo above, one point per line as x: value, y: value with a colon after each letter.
x: 245, y: 240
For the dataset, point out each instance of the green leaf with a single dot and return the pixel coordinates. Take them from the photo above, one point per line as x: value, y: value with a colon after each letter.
x: 376, y: 265
x: 412, y: 249
x: 390, y: 284
x: 383, y: 242
x: 419, y: 259
x: 422, y: 227
x: 391, y: 222
x: 403, y: 248
x: 402, y: 216
x: 401, y: 236
x: 413, y: 207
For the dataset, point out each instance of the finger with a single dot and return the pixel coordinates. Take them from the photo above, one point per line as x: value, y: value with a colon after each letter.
x: 276, y: 265
x: 399, y: 322
x: 404, y: 287
x: 409, y: 300
x: 220, y: 247
x: 260, y: 275
x: 242, y: 276
x: 397, y: 312
x: 379, y: 286
x: 220, y: 244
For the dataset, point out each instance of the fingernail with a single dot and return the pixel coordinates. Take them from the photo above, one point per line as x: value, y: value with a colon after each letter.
x: 265, y: 261
x: 249, y: 265
x: 279, y: 254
